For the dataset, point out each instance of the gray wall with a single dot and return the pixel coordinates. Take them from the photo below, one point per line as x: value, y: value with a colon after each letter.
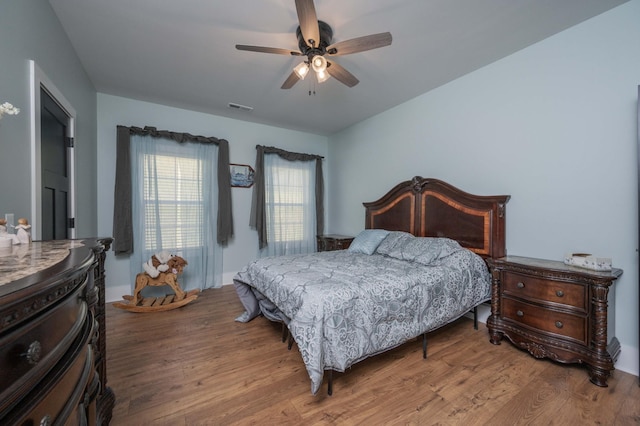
x: 29, y: 30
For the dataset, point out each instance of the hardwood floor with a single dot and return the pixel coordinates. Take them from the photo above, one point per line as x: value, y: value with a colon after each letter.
x: 196, y: 366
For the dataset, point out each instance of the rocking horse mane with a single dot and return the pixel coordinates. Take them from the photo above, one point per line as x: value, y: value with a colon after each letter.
x: 177, y: 263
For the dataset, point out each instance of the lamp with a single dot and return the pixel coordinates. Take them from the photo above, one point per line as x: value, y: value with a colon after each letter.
x: 318, y: 64
x: 301, y: 70
x: 322, y: 76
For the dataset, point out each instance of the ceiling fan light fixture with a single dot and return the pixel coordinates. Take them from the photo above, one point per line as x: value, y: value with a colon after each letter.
x: 301, y: 70
x: 319, y: 63
x: 315, y: 40
x: 322, y: 76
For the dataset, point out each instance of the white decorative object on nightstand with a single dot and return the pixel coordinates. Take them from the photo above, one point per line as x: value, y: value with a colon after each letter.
x: 588, y: 261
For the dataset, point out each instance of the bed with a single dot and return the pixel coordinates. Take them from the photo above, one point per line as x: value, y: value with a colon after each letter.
x: 418, y: 264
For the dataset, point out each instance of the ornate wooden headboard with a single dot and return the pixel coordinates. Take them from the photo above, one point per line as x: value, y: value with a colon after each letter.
x: 431, y: 208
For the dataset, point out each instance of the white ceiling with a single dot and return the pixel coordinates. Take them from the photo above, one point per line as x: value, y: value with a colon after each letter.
x: 182, y: 53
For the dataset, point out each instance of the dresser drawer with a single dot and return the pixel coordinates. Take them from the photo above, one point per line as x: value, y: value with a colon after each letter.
x: 29, y: 352
x: 540, y: 289
x: 544, y: 319
x: 68, y: 386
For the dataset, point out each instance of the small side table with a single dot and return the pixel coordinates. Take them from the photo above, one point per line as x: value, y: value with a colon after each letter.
x: 331, y: 242
x: 555, y: 311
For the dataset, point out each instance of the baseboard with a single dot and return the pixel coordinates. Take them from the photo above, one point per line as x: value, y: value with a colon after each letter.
x: 114, y: 294
x: 628, y: 360
x: 227, y: 277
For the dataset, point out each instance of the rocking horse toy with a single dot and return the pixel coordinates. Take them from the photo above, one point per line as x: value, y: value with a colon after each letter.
x: 161, y: 269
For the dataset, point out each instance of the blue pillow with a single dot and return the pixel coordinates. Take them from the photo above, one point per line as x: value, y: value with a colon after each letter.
x: 367, y: 241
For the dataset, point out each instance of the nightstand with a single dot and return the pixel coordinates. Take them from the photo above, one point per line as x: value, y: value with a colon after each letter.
x: 555, y: 311
x: 331, y: 242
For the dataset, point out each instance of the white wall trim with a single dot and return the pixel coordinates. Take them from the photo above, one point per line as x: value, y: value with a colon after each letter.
x: 227, y: 278
x: 114, y: 294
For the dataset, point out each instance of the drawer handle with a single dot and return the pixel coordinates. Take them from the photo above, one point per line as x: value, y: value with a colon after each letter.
x: 33, y: 352
x: 559, y: 324
x: 46, y: 420
x: 519, y: 313
x: 520, y: 285
x: 559, y: 293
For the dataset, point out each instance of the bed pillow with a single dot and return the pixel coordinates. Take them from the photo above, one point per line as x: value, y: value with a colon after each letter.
x: 424, y: 250
x: 392, y: 243
x: 367, y: 241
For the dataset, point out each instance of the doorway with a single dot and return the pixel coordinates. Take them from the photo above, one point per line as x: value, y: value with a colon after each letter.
x: 54, y: 169
x: 52, y: 160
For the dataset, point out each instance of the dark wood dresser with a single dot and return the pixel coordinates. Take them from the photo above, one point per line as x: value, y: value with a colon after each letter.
x: 332, y: 242
x: 555, y: 311
x: 52, y: 334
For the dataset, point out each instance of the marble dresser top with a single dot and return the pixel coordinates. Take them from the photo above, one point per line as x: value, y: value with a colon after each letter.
x: 22, y: 260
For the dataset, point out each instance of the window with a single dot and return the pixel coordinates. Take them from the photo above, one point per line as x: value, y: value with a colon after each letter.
x: 287, y: 192
x: 174, y: 206
x: 173, y: 201
x: 287, y: 206
x: 290, y: 206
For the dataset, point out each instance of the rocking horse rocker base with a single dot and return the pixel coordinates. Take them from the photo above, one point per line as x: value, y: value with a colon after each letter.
x: 137, y: 303
x: 156, y: 304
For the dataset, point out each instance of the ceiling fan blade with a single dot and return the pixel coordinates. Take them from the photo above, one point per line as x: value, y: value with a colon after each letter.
x: 290, y: 81
x: 275, y: 50
x: 338, y: 72
x: 308, y: 22
x: 359, y: 44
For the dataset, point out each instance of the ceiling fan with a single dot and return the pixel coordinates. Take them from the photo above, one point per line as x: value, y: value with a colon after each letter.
x: 315, y: 41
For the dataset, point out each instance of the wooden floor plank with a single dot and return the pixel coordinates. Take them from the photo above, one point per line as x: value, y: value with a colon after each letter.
x: 196, y: 366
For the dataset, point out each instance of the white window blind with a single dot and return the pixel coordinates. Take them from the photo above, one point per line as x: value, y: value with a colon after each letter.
x: 173, y: 201
x: 288, y: 190
x: 290, y: 206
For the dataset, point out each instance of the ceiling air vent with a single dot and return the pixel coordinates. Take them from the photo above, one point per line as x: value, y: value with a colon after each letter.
x: 240, y: 107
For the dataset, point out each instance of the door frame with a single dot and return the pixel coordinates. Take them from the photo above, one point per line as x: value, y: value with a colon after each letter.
x: 39, y: 80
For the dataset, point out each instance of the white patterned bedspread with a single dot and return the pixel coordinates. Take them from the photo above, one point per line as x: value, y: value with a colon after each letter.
x: 344, y: 307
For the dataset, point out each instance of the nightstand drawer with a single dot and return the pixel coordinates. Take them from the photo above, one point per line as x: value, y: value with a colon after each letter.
x: 333, y: 242
x: 537, y: 317
x: 532, y: 288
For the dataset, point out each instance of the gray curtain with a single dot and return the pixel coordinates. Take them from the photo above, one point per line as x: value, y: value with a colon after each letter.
x: 122, y: 224
x: 258, y: 218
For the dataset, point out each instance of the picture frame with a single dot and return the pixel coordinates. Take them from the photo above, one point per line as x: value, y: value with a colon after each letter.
x: 241, y: 175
